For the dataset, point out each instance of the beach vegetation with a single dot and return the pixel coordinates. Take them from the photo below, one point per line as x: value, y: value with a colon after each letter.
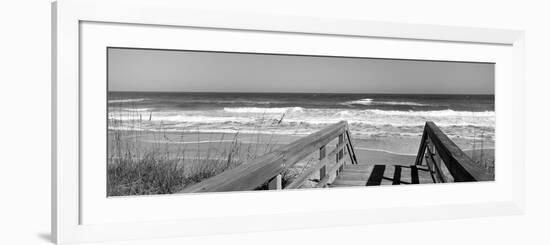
x: 168, y: 164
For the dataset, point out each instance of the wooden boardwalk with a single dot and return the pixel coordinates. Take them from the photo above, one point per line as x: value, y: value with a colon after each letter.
x: 382, y: 174
x: 438, y: 160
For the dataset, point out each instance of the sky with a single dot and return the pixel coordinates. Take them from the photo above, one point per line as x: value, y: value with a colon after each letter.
x: 192, y: 71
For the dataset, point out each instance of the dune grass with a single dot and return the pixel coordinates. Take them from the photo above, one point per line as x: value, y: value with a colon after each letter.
x: 135, y: 169
x: 480, y: 155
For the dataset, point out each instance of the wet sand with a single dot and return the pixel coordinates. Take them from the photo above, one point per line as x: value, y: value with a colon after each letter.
x: 374, y: 150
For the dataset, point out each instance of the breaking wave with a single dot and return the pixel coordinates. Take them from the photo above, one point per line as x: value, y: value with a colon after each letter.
x: 368, y: 101
x: 263, y: 110
x: 126, y: 101
x: 359, y: 102
x: 298, y: 120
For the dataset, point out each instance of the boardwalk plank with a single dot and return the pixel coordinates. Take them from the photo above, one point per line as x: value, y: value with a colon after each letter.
x: 348, y: 182
x: 381, y: 174
x: 345, y: 175
x: 406, y: 173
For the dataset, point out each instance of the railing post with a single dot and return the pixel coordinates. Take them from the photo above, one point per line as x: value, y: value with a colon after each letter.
x: 436, y: 157
x: 433, y: 160
x: 322, y: 172
x: 349, y: 146
x: 429, y: 154
x: 276, y: 183
x: 322, y: 155
x: 422, y: 149
x: 322, y: 152
x: 340, y: 142
x: 341, y: 153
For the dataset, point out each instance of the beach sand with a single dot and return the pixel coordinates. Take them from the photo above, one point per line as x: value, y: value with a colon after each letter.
x: 373, y: 150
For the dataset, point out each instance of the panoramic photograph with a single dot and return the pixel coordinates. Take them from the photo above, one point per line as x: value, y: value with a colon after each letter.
x: 182, y: 121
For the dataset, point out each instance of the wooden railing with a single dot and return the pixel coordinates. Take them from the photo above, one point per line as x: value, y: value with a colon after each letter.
x: 268, y: 168
x: 436, y: 147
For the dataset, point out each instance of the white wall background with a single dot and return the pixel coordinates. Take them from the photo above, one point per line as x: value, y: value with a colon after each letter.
x: 25, y: 122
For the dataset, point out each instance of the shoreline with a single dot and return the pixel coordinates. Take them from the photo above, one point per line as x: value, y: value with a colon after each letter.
x: 374, y: 150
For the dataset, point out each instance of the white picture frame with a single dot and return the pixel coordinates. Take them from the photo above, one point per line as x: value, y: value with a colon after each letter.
x: 68, y: 17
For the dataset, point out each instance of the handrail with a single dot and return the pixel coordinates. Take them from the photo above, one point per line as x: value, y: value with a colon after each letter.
x: 438, y: 146
x: 268, y: 167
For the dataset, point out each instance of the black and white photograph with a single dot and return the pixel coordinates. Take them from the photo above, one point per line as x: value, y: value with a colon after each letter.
x: 275, y: 122
x: 187, y: 121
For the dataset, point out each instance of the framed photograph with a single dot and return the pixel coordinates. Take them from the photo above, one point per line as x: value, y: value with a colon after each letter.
x: 174, y: 122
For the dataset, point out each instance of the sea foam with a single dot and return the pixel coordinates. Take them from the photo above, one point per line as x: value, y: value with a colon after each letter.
x: 263, y: 110
x: 126, y: 101
x: 368, y: 101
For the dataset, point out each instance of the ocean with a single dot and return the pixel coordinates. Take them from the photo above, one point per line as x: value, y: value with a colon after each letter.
x: 465, y: 117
